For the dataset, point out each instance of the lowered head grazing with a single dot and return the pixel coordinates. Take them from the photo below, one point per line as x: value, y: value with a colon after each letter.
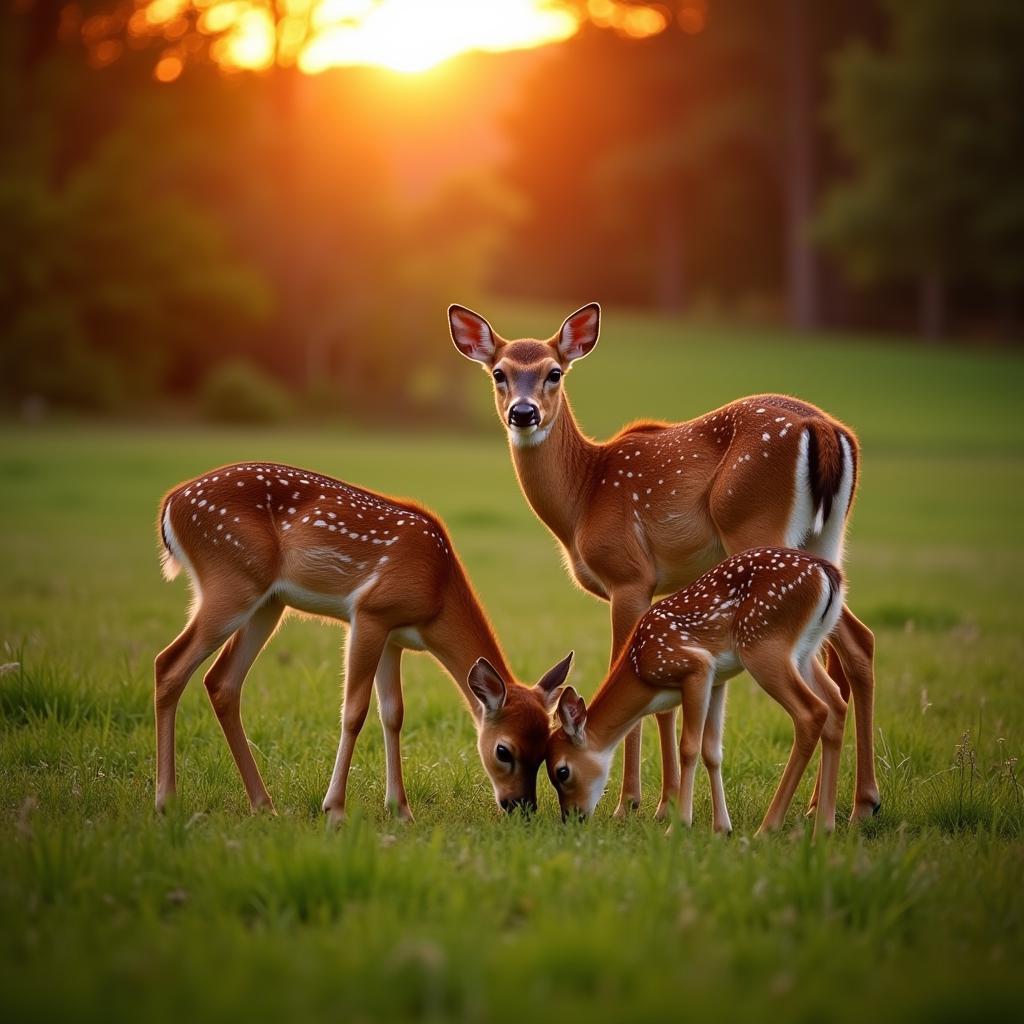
x: 514, y: 729
x: 578, y: 770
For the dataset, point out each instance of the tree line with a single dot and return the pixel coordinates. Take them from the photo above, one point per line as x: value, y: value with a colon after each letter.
x: 833, y: 164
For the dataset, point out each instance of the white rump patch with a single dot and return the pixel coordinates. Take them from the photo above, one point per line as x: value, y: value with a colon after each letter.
x: 821, y: 623
x: 828, y: 542
x: 173, y: 558
x: 801, y: 514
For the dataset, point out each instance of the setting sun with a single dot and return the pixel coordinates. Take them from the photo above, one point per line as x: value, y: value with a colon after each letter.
x: 403, y: 35
x: 408, y: 35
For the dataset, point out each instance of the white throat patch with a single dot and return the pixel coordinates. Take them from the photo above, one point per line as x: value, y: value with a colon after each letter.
x: 528, y: 437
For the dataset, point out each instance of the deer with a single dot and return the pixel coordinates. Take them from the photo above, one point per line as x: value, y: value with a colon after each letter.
x: 258, y: 538
x: 646, y: 512
x: 766, y: 610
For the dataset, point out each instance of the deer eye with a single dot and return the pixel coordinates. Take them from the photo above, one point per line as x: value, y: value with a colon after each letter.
x: 562, y: 773
x: 503, y: 754
x: 555, y: 376
x: 499, y: 376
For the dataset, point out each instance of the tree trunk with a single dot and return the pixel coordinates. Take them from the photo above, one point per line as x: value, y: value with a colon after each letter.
x: 289, y: 219
x: 802, y: 297
x: 668, y: 277
x: 932, y: 306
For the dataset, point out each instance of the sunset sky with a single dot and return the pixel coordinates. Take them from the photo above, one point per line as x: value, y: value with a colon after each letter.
x: 402, y: 35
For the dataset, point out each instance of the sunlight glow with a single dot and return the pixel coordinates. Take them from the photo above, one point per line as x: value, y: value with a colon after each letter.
x: 404, y: 35
x: 410, y: 35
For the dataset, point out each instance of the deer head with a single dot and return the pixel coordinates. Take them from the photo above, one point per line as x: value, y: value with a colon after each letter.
x: 513, y: 729
x: 527, y: 374
x: 577, y: 768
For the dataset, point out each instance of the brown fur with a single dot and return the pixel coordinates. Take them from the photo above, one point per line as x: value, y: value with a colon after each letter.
x: 717, y: 486
x: 756, y: 610
x: 260, y: 537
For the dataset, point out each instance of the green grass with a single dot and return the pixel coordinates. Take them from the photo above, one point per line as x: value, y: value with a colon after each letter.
x: 108, y: 912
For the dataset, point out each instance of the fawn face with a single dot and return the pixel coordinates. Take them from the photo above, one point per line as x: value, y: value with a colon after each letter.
x: 514, y: 729
x: 527, y: 374
x: 578, y: 772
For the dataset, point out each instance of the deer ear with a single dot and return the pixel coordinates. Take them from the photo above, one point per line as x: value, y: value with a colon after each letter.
x: 553, y: 679
x: 472, y: 335
x: 487, y: 685
x: 572, y: 713
x: 578, y: 335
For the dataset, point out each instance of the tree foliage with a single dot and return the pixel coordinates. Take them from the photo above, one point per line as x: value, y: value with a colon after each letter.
x: 154, y: 231
x: 933, y: 129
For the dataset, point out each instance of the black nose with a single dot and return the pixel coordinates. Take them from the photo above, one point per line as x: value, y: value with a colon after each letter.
x: 524, y: 414
x: 523, y: 803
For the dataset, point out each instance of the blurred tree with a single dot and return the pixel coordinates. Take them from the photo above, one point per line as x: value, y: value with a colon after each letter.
x: 681, y: 164
x: 158, y: 229
x: 107, y: 296
x: 110, y: 289
x: 649, y: 169
x: 933, y: 128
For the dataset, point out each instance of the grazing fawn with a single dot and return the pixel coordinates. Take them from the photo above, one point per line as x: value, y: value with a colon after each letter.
x: 651, y: 509
x: 257, y: 538
x: 768, y: 611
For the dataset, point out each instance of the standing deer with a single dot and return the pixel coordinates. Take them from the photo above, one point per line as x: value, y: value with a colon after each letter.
x: 651, y: 509
x: 767, y: 610
x: 257, y: 538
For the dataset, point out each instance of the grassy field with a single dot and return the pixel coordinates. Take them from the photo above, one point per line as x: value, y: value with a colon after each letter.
x: 107, y: 912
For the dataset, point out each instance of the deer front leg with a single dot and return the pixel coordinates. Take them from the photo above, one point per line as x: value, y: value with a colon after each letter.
x: 366, y: 639
x: 669, y: 764
x: 711, y: 749
x: 391, y: 709
x: 628, y: 604
x: 696, y: 692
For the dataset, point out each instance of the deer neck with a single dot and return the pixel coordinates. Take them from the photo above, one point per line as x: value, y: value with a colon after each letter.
x: 621, y: 701
x: 556, y: 474
x: 461, y: 633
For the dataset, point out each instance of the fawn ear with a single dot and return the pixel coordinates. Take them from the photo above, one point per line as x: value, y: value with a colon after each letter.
x: 487, y: 685
x: 572, y: 713
x: 472, y: 335
x: 578, y: 335
x: 552, y: 680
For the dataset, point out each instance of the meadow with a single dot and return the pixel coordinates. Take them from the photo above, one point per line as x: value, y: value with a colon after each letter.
x: 110, y: 912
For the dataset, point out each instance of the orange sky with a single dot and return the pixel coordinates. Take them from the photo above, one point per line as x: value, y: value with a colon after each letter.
x: 403, y: 35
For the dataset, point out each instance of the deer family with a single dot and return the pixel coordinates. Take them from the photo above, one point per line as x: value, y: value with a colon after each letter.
x: 257, y: 538
x: 767, y: 610
x: 648, y: 511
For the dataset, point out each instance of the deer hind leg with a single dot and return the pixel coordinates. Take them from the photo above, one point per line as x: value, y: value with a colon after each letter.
x: 834, y: 668
x: 854, y: 647
x: 224, y: 686
x: 777, y: 675
x: 366, y: 640
x: 711, y: 750
x: 174, y: 666
x: 831, y: 744
x: 391, y: 709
